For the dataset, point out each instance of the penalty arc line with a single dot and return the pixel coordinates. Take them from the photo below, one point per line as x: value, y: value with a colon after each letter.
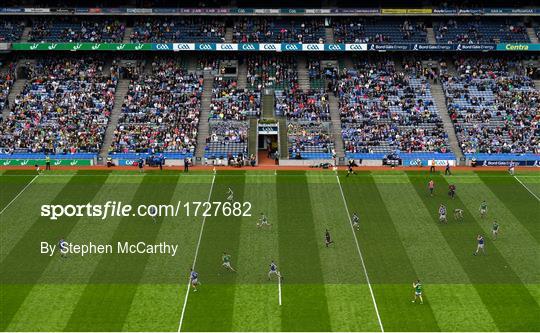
x: 195, y: 259
x: 528, y: 189
x: 360, y: 254
x: 18, y: 194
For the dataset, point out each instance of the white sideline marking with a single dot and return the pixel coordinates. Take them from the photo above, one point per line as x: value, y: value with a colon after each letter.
x: 13, y: 200
x: 195, y: 259
x: 531, y: 192
x: 360, y: 254
x: 279, y: 289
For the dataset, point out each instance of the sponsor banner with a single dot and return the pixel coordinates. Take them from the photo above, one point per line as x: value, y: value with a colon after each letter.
x: 242, y: 10
x: 292, y: 11
x: 312, y: 47
x: 507, y: 163
x: 291, y: 47
x: 268, y: 129
x: 269, y: 47
x: 475, y: 47
x: 226, y: 47
x: 518, y: 47
x: 183, y: 47
x: 420, y: 11
x: 426, y: 162
x: 318, y: 11
x: 163, y: 47
x: 432, y: 47
x: 84, y: 46
x: 389, y: 47
x: 334, y: 47
x: 128, y: 162
x: 54, y: 162
x: 4, y: 46
x: 393, y: 11
x: 445, y: 11
x: 267, y: 11
x: 356, y: 47
x: 205, y: 47
x: 37, y: 10
x: 11, y: 10
x: 248, y: 47
x: 139, y: 10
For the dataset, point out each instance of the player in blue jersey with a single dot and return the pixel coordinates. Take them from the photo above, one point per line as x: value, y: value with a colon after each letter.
x: 273, y: 270
x: 194, y: 278
x: 62, y: 245
x: 480, y: 245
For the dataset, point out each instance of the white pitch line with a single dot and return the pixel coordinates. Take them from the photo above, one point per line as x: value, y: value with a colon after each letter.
x: 360, y: 254
x: 531, y: 192
x: 195, y: 259
x: 13, y: 200
x: 279, y: 289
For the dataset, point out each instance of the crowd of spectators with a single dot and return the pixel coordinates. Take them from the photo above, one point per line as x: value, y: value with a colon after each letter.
x: 311, y: 105
x: 309, y: 138
x: 72, y: 29
x: 384, y: 110
x: 160, y: 112
x: 375, y: 30
x: 278, y: 72
x: 227, y: 139
x: 494, y: 107
x: 182, y: 29
x: 476, y: 30
x: 274, y: 30
x: 232, y: 103
x: 11, y: 30
x: 64, y: 108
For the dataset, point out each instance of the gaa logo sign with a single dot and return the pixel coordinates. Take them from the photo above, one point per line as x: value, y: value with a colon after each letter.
x: 248, y: 47
x: 312, y: 47
x: 227, y: 47
x: 334, y: 47
x: 205, y: 47
x: 270, y: 47
x: 291, y: 47
x: 182, y: 46
x: 162, y: 47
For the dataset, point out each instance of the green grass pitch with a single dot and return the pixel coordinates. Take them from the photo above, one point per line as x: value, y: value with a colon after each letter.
x: 363, y: 282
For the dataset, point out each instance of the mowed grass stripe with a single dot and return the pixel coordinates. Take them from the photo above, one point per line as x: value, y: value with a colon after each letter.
x: 256, y: 305
x: 67, y: 277
x: 12, y: 182
x: 211, y: 308
x: 158, y: 301
x: 517, y: 200
x: 510, y: 304
x: 515, y: 243
x: 107, y: 298
x: 444, y: 280
x: 389, y: 267
x: 350, y: 305
x: 22, y: 268
x: 23, y: 212
x: 304, y: 304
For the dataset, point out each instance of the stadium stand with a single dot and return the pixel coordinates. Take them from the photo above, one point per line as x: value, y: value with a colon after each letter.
x: 63, y: 109
x: 232, y: 103
x: 160, y: 112
x: 494, y: 110
x: 309, y: 140
x: 183, y: 29
x: 74, y: 29
x: 384, y: 110
x: 278, y: 72
x: 375, y: 30
x: 275, y: 30
x: 480, y: 30
x: 11, y: 29
x: 228, y: 139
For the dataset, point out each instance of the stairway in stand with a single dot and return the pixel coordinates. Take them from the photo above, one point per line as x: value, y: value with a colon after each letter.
x: 121, y: 91
x: 204, y: 125
x: 15, y: 90
x: 336, y: 126
x: 440, y: 102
